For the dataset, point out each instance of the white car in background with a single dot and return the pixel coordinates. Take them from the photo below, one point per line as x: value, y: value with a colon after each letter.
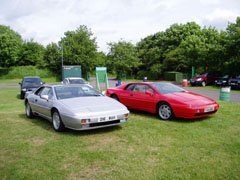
x: 75, y: 80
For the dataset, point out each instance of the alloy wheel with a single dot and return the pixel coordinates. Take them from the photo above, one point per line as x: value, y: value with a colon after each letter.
x: 165, y: 112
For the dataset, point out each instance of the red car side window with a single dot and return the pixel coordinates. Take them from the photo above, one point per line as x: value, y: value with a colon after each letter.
x: 130, y: 87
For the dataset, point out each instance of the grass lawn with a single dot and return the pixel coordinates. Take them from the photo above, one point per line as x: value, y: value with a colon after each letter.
x: 211, y: 87
x: 143, y: 148
x: 16, y: 81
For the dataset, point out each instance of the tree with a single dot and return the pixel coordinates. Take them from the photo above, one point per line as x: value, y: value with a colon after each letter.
x: 79, y: 48
x: 205, y: 51
x: 52, y: 58
x: 162, y: 50
x: 100, y: 59
x: 233, y: 47
x: 32, y: 54
x: 175, y: 60
x: 124, y: 57
x: 10, y: 46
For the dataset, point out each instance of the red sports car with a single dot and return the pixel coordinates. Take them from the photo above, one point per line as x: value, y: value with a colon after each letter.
x: 165, y: 99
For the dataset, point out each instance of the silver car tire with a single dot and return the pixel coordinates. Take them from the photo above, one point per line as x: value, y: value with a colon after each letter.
x: 29, y: 113
x: 57, y: 122
x: 165, y: 111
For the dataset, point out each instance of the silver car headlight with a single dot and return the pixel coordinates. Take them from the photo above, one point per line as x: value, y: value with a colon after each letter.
x: 123, y: 116
x: 24, y: 89
x: 224, y: 81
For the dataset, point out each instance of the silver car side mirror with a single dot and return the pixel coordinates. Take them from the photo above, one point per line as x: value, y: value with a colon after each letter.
x: 44, y: 97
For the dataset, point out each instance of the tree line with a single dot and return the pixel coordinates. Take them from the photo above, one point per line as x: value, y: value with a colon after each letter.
x: 178, y: 48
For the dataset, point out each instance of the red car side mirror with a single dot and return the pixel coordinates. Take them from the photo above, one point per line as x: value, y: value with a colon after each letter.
x: 149, y: 93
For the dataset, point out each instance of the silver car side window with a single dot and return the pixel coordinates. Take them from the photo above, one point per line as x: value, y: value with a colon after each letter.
x: 50, y: 93
x: 39, y: 91
x: 44, y: 91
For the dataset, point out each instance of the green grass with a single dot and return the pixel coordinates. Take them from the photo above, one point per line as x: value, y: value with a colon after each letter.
x: 211, y: 87
x: 50, y: 80
x: 143, y: 148
x: 14, y: 75
x: 22, y: 71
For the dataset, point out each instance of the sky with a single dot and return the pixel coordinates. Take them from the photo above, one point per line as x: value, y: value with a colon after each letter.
x: 45, y: 21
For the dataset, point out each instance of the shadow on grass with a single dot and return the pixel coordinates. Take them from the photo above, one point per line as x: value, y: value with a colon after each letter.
x: 182, y: 120
x: 175, y: 119
x: 18, y: 97
x: 47, y: 125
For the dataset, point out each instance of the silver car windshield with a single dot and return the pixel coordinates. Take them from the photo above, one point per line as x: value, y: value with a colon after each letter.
x: 66, y: 92
x: 166, y: 88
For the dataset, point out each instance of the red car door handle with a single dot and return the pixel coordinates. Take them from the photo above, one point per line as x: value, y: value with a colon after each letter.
x: 131, y: 94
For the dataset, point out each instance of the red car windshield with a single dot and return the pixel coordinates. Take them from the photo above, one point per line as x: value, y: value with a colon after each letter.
x: 202, y: 75
x: 166, y: 88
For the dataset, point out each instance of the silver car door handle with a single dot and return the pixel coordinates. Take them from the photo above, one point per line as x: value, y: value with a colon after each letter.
x: 35, y: 100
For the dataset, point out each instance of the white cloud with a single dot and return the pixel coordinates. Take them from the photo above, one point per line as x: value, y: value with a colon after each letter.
x: 46, y: 20
x: 221, y: 13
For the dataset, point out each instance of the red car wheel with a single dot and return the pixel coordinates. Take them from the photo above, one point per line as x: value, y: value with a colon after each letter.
x: 115, y: 97
x: 165, y: 111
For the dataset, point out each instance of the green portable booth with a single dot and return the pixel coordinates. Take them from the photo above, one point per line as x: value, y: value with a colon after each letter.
x: 71, y: 71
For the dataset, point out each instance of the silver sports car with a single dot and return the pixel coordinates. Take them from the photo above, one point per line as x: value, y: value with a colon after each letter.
x: 77, y: 107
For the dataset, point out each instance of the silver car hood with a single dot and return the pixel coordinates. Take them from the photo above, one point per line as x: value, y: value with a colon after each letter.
x: 93, y: 104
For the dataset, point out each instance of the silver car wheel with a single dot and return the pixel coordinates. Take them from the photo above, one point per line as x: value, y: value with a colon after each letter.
x: 56, y: 120
x: 28, y: 110
x: 29, y: 113
x: 165, y: 112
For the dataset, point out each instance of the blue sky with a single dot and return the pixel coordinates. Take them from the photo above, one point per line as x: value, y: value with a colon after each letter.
x: 45, y: 21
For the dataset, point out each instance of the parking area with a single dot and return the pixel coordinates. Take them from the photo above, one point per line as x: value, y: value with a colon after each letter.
x: 234, y: 96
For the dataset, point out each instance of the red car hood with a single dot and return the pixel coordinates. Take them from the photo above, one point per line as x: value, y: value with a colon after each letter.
x: 197, y: 77
x: 190, y: 98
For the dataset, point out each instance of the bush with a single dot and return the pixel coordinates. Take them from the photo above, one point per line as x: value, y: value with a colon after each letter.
x: 22, y: 71
x: 170, y: 75
x: 4, y: 71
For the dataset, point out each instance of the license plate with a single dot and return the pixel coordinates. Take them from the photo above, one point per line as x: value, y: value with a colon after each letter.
x: 209, y: 109
x: 102, y: 119
x: 112, y: 118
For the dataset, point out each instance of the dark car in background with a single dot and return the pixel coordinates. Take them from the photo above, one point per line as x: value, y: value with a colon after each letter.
x: 223, y: 81
x: 29, y: 84
x: 205, y: 78
x: 235, y: 82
